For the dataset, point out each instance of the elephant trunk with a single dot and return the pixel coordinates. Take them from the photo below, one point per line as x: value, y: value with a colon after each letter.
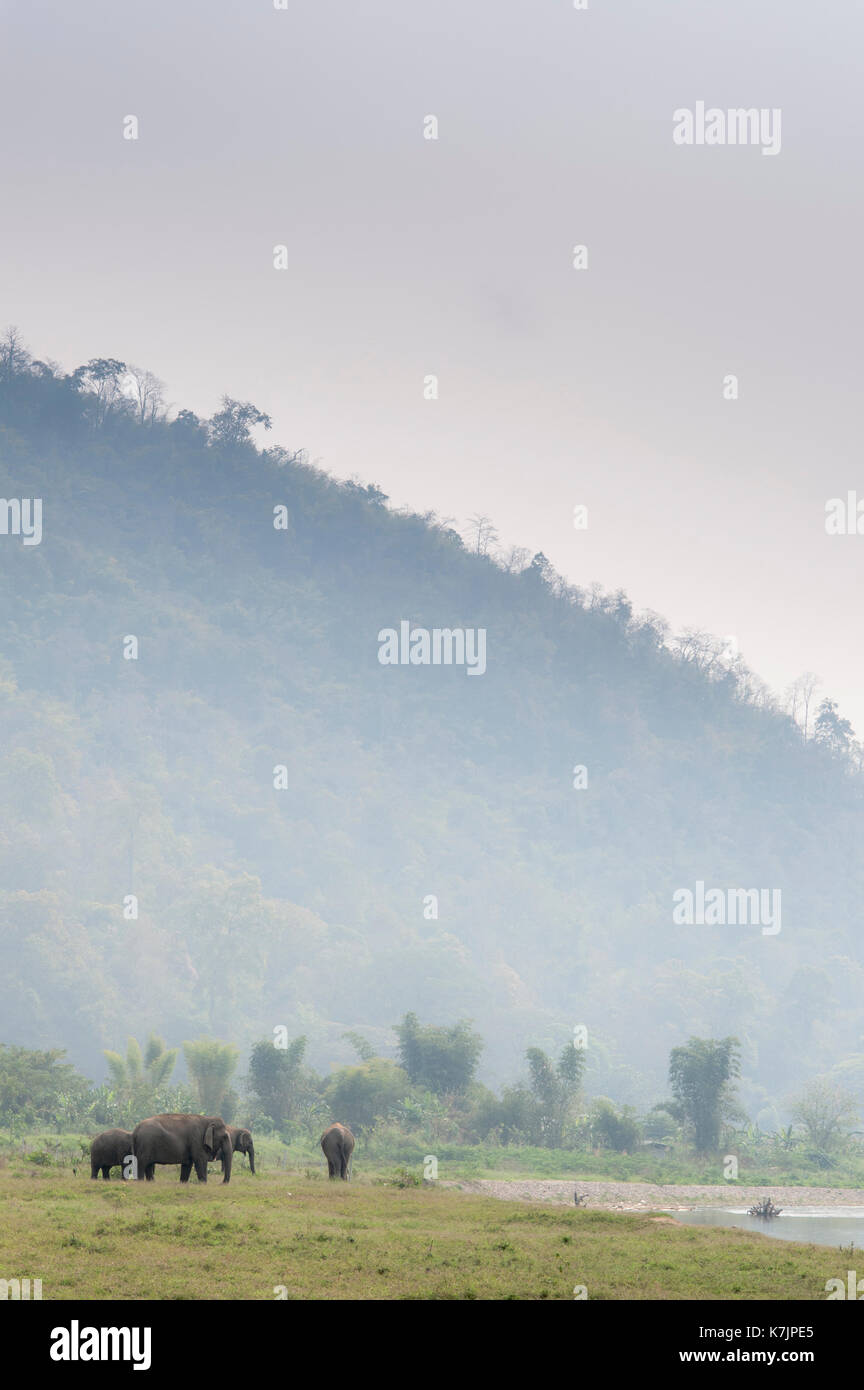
x: 251, y: 1152
x: 227, y: 1153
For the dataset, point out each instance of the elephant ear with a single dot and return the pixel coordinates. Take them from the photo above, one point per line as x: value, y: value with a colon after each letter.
x: 208, y: 1138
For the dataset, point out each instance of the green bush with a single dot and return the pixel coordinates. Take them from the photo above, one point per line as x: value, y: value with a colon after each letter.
x: 366, y: 1093
x: 613, y: 1130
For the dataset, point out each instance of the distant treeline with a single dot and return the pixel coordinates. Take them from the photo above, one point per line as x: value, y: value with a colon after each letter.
x: 429, y: 1093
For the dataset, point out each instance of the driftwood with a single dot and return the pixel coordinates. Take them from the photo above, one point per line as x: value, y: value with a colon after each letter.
x: 765, y: 1209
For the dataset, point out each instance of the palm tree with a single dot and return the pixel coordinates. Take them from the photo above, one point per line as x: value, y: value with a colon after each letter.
x: 138, y: 1076
x: 211, y: 1066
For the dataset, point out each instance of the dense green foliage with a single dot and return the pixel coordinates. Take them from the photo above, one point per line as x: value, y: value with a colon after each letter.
x: 303, y: 907
x: 139, y: 1081
x: 211, y: 1066
x: 442, y: 1059
x: 38, y: 1086
x: 700, y: 1073
x: 280, y: 1082
x: 537, y: 1128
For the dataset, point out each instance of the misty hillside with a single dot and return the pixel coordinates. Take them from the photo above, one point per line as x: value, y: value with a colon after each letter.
x: 303, y: 905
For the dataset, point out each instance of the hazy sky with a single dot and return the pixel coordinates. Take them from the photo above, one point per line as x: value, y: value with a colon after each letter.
x: 410, y: 256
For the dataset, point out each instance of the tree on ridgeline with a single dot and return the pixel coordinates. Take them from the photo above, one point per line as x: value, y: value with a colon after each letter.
x: 14, y: 357
x: 232, y: 425
x: 101, y: 379
x: 146, y: 395
x: 833, y: 731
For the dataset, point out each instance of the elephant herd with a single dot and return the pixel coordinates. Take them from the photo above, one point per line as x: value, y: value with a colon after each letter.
x: 193, y: 1141
x: 190, y: 1140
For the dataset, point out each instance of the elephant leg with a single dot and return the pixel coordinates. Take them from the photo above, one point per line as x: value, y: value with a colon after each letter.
x: 94, y: 1170
x: 185, y: 1170
x: 150, y: 1171
x: 201, y: 1169
x: 106, y: 1172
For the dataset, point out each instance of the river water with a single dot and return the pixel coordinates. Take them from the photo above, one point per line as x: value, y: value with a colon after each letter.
x: 815, y: 1225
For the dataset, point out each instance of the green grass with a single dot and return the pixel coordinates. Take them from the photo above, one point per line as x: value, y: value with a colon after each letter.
x: 513, y: 1162
x: 384, y: 1153
x: 367, y: 1240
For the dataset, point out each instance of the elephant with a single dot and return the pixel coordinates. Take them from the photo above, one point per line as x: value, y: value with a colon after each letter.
x: 190, y: 1140
x: 241, y: 1142
x: 108, y: 1151
x: 338, y: 1145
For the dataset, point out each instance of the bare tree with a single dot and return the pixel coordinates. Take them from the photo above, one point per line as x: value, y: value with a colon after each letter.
x: 560, y: 587
x: 482, y: 534
x: 515, y: 560
x: 654, y: 625
x: 595, y: 597
x: 282, y: 457
x: 810, y: 683
x: 147, y: 394
x: 799, y: 698
x: 753, y: 689
x: 14, y: 357
x: 697, y: 647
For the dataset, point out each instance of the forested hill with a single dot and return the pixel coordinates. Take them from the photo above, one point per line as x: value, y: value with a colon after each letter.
x: 256, y: 587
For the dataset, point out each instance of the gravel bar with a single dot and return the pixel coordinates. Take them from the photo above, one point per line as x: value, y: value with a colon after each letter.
x: 649, y: 1196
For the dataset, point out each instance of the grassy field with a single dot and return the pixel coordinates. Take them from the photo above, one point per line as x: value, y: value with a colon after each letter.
x: 377, y: 1155
x: 367, y: 1240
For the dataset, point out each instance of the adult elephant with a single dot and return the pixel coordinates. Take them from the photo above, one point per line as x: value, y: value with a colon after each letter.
x: 241, y: 1142
x: 338, y: 1145
x: 190, y: 1140
x: 109, y: 1150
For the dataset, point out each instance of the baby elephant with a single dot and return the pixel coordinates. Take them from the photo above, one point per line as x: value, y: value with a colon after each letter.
x: 108, y: 1151
x: 338, y: 1145
x: 241, y: 1142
